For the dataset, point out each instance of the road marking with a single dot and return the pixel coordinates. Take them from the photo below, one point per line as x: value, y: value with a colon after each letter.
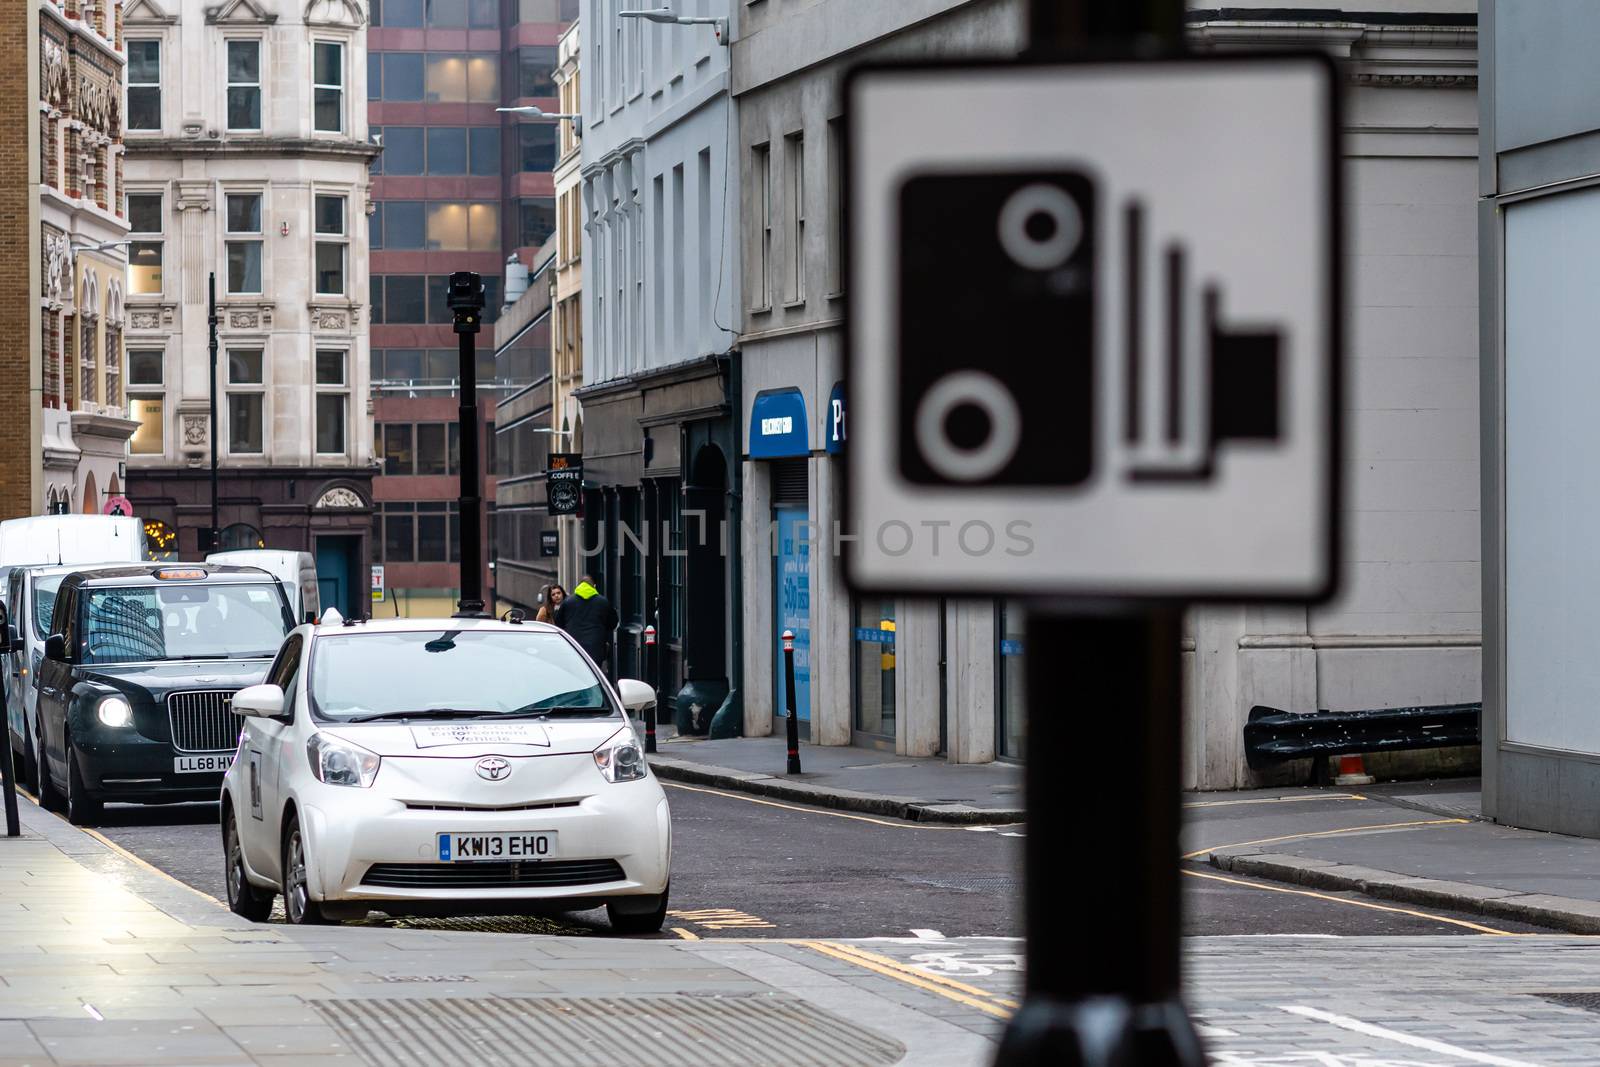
x: 971, y: 996
x: 104, y: 840
x: 1344, y: 1022
x: 685, y: 935
x: 94, y: 1013
x: 1205, y: 1030
x: 927, y: 935
x: 723, y: 919
x: 824, y: 811
x: 1297, y: 799
x: 1197, y: 853
x: 917, y: 972
x: 1353, y: 903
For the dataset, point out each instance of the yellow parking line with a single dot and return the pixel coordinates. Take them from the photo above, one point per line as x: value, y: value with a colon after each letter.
x: 104, y: 840
x: 823, y: 811
x: 685, y: 935
x: 984, y: 1002
x: 1478, y: 927
x: 888, y: 961
x: 1197, y: 853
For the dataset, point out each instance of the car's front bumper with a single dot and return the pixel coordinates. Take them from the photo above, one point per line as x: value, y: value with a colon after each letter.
x: 349, y: 830
x: 120, y: 764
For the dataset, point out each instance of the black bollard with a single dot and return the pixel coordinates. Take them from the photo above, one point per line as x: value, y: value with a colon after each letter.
x: 794, y: 719
x: 650, y: 673
x: 13, y: 821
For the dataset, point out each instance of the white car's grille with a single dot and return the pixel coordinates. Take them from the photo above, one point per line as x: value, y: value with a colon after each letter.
x: 203, y: 720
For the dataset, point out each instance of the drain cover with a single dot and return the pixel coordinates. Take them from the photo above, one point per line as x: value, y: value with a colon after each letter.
x: 1588, y: 1000
x: 669, y: 1031
x: 979, y: 883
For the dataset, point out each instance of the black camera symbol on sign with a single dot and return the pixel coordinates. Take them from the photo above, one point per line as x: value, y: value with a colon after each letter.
x: 998, y: 339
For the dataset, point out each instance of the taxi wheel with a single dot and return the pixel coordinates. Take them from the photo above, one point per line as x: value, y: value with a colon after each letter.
x: 82, y: 809
x: 297, y: 903
x: 244, y: 899
x: 49, y: 798
x: 635, y: 915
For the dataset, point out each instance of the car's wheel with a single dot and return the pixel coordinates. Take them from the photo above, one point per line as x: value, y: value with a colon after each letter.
x: 49, y: 798
x: 244, y: 899
x: 82, y: 809
x: 638, y: 915
x: 297, y: 903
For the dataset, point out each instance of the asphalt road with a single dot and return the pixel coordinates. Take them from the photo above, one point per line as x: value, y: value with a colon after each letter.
x: 747, y: 866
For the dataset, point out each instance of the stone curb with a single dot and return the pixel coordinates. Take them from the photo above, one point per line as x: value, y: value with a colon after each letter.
x: 1562, y: 913
x: 913, y: 808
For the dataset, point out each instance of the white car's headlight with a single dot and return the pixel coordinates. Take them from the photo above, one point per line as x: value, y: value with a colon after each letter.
x: 620, y: 759
x: 114, y: 711
x: 337, y: 762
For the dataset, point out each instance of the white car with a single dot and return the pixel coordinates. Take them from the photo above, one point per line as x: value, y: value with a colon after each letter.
x: 427, y: 766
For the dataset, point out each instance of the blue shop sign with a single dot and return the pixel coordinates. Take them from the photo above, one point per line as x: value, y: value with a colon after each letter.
x: 778, y: 425
x: 836, y: 425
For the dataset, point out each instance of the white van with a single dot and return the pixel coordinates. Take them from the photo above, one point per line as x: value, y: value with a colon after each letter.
x: 57, y: 539
x: 295, y: 571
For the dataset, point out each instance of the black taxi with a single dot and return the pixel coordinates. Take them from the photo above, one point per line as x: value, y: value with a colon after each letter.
x: 138, y: 677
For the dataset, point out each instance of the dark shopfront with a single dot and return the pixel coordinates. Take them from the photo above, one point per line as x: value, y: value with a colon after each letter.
x: 660, y: 485
x: 326, y: 511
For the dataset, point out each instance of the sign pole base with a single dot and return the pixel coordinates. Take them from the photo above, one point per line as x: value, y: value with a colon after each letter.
x: 1103, y: 942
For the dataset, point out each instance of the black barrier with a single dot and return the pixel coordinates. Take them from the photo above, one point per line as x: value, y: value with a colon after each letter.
x: 1272, y: 735
x: 650, y: 673
x: 13, y: 820
x: 788, y: 688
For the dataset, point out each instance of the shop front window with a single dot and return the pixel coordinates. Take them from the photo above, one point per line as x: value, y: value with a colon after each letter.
x: 874, y: 638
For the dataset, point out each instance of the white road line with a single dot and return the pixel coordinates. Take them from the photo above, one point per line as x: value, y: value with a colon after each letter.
x: 927, y: 935
x: 1344, y: 1022
x: 1214, y: 1031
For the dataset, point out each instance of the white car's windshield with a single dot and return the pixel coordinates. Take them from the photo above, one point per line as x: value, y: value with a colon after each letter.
x: 452, y: 673
x: 135, y: 624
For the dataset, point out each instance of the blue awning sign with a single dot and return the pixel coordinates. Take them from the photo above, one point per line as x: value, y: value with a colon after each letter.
x: 778, y: 425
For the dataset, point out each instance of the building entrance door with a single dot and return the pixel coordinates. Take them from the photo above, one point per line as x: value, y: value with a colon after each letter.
x: 336, y: 573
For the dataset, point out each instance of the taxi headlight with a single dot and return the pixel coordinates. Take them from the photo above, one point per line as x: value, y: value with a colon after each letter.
x: 620, y: 759
x: 337, y: 762
x: 114, y: 711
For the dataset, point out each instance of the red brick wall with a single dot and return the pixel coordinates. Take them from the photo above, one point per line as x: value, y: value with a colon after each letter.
x: 19, y: 117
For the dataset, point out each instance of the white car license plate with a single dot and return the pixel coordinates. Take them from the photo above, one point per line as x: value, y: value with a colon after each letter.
x: 496, y: 848
x: 202, y: 764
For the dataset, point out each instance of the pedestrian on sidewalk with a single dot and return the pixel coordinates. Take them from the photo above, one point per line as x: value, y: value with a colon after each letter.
x: 549, y: 600
x: 591, y: 620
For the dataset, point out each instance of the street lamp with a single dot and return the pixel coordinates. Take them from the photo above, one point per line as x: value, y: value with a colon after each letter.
x: 541, y: 113
x: 670, y: 17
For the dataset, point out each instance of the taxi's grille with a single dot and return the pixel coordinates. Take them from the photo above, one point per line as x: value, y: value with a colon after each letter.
x: 203, y: 721
x: 531, y: 875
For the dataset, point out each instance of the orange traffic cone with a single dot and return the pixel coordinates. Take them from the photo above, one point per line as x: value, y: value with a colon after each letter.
x: 1352, y: 772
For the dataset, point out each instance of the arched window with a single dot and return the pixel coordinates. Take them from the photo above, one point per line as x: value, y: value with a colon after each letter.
x: 160, y: 541
x: 241, y: 535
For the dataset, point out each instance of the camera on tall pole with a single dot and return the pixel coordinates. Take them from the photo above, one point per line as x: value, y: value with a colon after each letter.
x: 465, y: 299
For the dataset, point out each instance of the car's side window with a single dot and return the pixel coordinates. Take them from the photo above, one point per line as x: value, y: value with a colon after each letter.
x: 64, y: 621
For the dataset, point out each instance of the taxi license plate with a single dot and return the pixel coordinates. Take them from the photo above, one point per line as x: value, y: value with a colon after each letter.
x: 496, y: 848
x: 202, y: 764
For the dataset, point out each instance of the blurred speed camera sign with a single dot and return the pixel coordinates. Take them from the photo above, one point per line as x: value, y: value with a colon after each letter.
x: 1093, y: 331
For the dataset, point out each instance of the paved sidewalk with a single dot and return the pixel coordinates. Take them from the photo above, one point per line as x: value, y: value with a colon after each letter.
x: 854, y: 779
x: 104, y: 961
x: 1419, y: 843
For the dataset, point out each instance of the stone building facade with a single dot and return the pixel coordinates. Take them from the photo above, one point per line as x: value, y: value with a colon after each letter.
x: 248, y: 162
x: 83, y: 229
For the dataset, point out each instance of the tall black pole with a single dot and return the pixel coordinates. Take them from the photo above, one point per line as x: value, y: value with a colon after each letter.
x: 466, y: 301
x: 1103, y: 976
x: 212, y: 319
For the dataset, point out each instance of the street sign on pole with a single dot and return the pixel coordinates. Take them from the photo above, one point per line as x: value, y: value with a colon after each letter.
x: 377, y: 583
x: 1093, y: 328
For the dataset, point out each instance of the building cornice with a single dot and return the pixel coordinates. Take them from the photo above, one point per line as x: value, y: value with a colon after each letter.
x: 152, y: 148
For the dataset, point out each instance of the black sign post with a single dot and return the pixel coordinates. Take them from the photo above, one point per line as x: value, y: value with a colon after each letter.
x: 465, y: 299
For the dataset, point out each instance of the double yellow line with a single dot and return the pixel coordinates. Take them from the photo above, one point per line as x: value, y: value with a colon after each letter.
x: 973, y: 997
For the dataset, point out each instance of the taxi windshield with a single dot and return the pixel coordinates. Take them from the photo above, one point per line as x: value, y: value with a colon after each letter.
x: 139, y: 624
x: 454, y: 673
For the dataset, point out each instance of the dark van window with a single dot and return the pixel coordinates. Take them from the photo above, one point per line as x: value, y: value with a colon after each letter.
x: 189, y: 621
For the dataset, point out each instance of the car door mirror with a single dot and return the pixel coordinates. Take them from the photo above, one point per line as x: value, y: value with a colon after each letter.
x: 636, y: 695
x: 259, y: 701
x: 14, y: 641
x: 55, y: 647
